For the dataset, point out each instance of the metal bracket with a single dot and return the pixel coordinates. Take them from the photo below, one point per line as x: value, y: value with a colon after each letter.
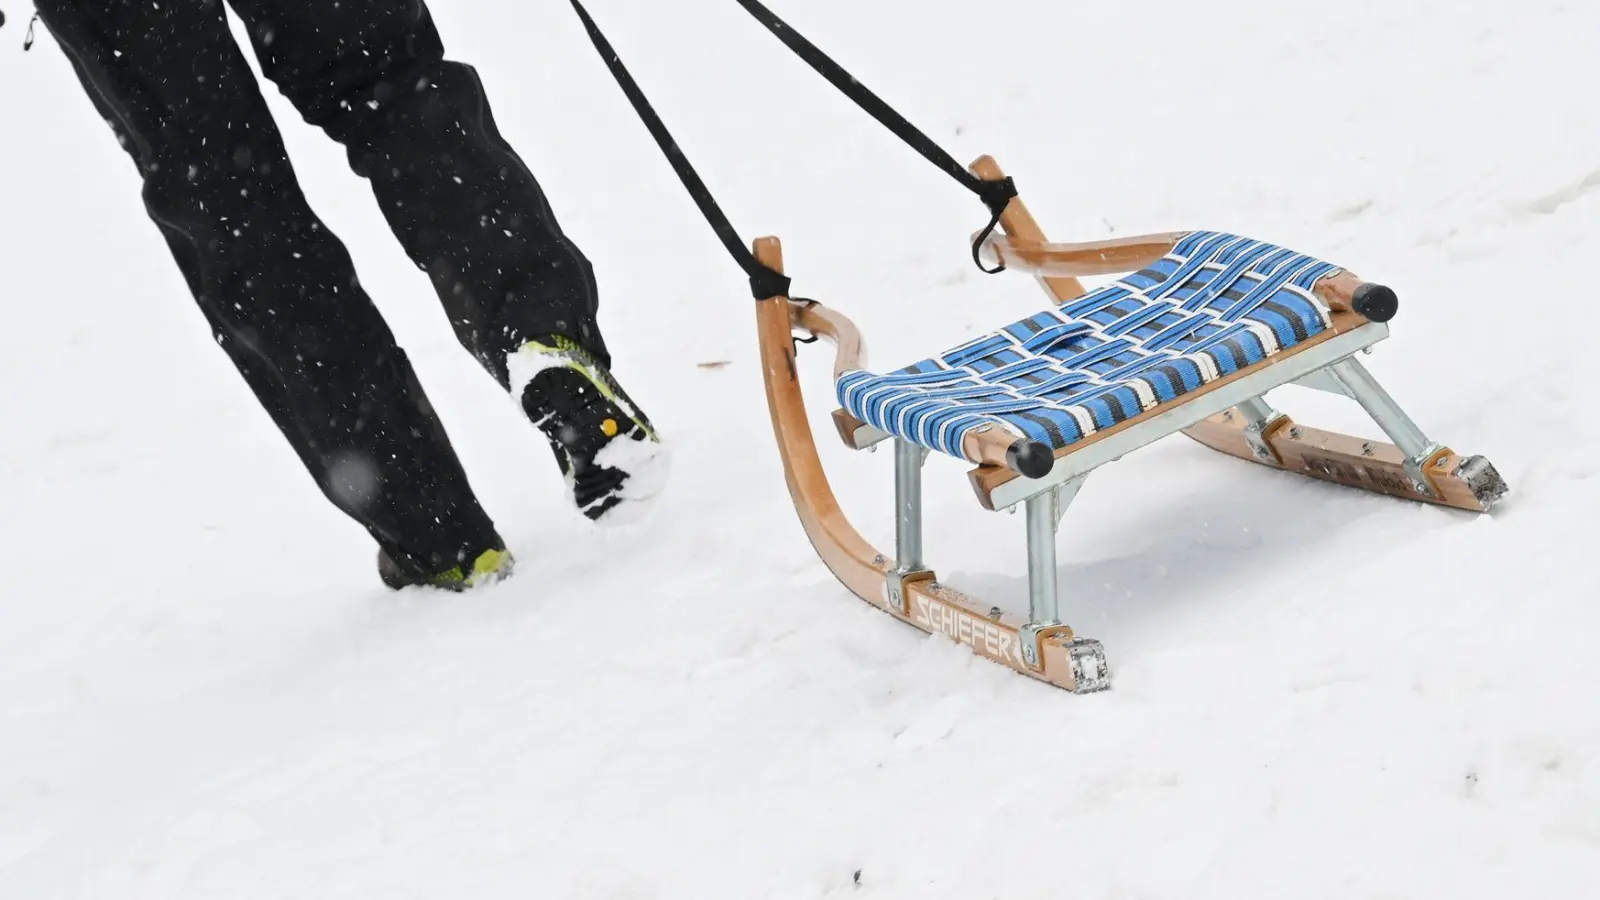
x: 1065, y: 494
x: 1085, y: 657
x: 1260, y: 420
x: 1032, y: 636
x: 1255, y: 434
x: 897, y: 588
x: 1417, y: 469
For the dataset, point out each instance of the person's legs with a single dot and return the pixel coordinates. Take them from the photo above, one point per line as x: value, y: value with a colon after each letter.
x: 372, y: 75
x: 278, y: 288
x: 519, y: 294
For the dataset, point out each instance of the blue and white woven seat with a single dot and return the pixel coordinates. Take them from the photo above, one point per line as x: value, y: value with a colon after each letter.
x: 1215, y: 304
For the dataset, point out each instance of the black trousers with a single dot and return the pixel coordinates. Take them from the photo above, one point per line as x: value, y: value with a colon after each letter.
x: 279, y: 288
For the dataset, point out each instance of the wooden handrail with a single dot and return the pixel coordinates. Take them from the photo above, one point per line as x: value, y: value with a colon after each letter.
x: 850, y: 353
x: 1023, y: 247
x: 1017, y: 221
x: 1341, y: 290
x: 1087, y: 259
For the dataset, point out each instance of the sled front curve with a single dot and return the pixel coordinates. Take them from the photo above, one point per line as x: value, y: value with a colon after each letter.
x: 904, y: 589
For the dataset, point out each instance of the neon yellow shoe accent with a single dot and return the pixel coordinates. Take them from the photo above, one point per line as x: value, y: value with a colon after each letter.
x: 490, y: 566
x: 495, y: 563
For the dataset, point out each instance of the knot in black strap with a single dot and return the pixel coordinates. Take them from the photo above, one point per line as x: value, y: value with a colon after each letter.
x: 997, y: 196
x: 765, y: 282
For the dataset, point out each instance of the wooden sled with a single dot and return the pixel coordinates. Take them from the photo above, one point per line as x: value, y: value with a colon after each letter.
x: 1209, y: 330
x: 1197, y: 329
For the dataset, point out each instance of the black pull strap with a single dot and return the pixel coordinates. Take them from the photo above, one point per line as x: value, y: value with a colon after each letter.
x: 764, y: 282
x: 994, y: 194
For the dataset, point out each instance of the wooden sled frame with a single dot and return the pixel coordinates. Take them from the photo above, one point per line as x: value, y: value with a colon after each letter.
x: 1229, y: 414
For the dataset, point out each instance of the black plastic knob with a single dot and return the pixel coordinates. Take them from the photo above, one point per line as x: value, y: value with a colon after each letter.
x: 1375, y: 302
x: 1031, y: 458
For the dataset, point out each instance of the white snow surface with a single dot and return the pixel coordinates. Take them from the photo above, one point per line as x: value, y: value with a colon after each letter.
x: 206, y: 693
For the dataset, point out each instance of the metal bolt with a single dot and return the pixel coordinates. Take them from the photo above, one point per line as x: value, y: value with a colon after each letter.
x: 1443, y: 463
x: 994, y: 612
x: 1366, y: 449
x: 1419, y: 487
x: 1227, y: 415
x: 1028, y: 653
x: 1294, y: 433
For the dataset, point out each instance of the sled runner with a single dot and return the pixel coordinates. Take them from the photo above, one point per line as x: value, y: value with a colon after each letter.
x: 1193, y: 331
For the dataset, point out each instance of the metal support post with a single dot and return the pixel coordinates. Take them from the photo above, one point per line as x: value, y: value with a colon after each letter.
x: 1087, y: 658
x: 1383, y: 409
x: 1043, y: 512
x: 908, y: 460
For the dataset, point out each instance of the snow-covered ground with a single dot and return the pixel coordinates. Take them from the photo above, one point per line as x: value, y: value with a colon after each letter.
x: 205, y: 693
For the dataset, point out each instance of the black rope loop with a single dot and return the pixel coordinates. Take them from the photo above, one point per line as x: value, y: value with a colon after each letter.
x: 796, y: 339
x: 996, y: 195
